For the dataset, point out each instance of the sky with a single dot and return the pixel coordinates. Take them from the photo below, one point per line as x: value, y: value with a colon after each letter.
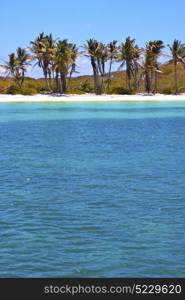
x: 78, y: 20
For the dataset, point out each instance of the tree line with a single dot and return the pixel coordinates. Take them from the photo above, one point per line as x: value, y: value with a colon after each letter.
x: 58, y: 61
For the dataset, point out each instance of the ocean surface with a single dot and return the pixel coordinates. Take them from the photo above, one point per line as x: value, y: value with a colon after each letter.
x: 92, y: 189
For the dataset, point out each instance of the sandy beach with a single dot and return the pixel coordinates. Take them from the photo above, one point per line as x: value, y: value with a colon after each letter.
x: 90, y: 97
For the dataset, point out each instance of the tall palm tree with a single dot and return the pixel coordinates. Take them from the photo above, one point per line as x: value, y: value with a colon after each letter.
x: 38, y: 48
x: 23, y: 61
x: 151, y: 64
x: 43, y: 49
x: 74, y: 54
x: 136, y: 66
x: 182, y: 57
x: 177, y: 49
x: 158, y: 45
x: 63, y: 61
x: 112, y: 56
x: 16, y: 66
x: 102, y: 56
x: 50, y: 47
x: 93, y: 51
x: 127, y: 56
x: 148, y: 67
x: 152, y: 52
x: 10, y: 66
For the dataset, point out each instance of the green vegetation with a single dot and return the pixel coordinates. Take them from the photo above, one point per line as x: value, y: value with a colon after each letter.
x: 139, y: 69
x: 15, y: 90
x: 178, y: 54
x: 128, y: 55
x: 57, y: 60
x: 151, y: 65
x: 16, y: 66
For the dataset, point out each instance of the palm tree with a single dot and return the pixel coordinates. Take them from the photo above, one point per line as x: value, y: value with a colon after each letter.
x: 37, y: 49
x: 50, y: 47
x: 10, y: 66
x: 16, y: 66
x: 127, y: 56
x: 102, y: 56
x: 151, y: 65
x: 112, y: 55
x: 152, y: 53
x: 177, y: 49
x: 158, y: 45
x: 23, y: 61
x: 43, y: 49
x: 93, y: 47
x: 62, y: 62
x: 136, y: 66
x: 182, y: 57
x: 148, y: 67
x: 74, y: 54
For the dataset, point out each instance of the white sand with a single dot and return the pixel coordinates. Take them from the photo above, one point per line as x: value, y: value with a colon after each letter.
x: 90, y: 97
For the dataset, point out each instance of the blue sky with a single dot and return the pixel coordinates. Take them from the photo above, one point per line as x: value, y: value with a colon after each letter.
x: 79, y: 20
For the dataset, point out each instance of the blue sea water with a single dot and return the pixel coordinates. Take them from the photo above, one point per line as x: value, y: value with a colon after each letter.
x: 92, y: 189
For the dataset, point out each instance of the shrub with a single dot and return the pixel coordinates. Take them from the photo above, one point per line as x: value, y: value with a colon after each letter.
x: 28, y: 91
x: 86, y: 87
x: 121, y: 91
x: 167, y: 90
x: 15, y: 90
x: 4, y: 85
x: 181, y: 89
x: 39, y: 86
x: 76, y: 91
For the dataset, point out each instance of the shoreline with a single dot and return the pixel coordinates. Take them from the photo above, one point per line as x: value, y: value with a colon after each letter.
x: 4, y: 98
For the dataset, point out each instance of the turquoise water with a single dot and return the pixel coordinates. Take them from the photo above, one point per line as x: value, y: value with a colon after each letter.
x: 92, y: 189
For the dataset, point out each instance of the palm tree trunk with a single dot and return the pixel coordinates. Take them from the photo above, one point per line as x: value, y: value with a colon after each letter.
x: 129, y: 80
x: 96, y: 77
x: 110, y: 67
x: 61, y: 87
x: 63, y: 83
x: 147, y: 82
x: 135, y: 80
x: 102, y: 84
x: 22, y: 79
x: 128, y: 73
x: 139, y: 82
x: 151, y: 81
x: 69, y: 81
x: 50, y: 81
x: 155, y: 82
x: 126, y: 80
x: 175, y: 75
x: 126, y: 76
x: 56, y: 82
x: 98, y: 90
x: 46, y: 80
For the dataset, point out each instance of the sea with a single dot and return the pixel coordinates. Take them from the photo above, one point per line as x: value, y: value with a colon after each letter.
x: 92, y: 189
